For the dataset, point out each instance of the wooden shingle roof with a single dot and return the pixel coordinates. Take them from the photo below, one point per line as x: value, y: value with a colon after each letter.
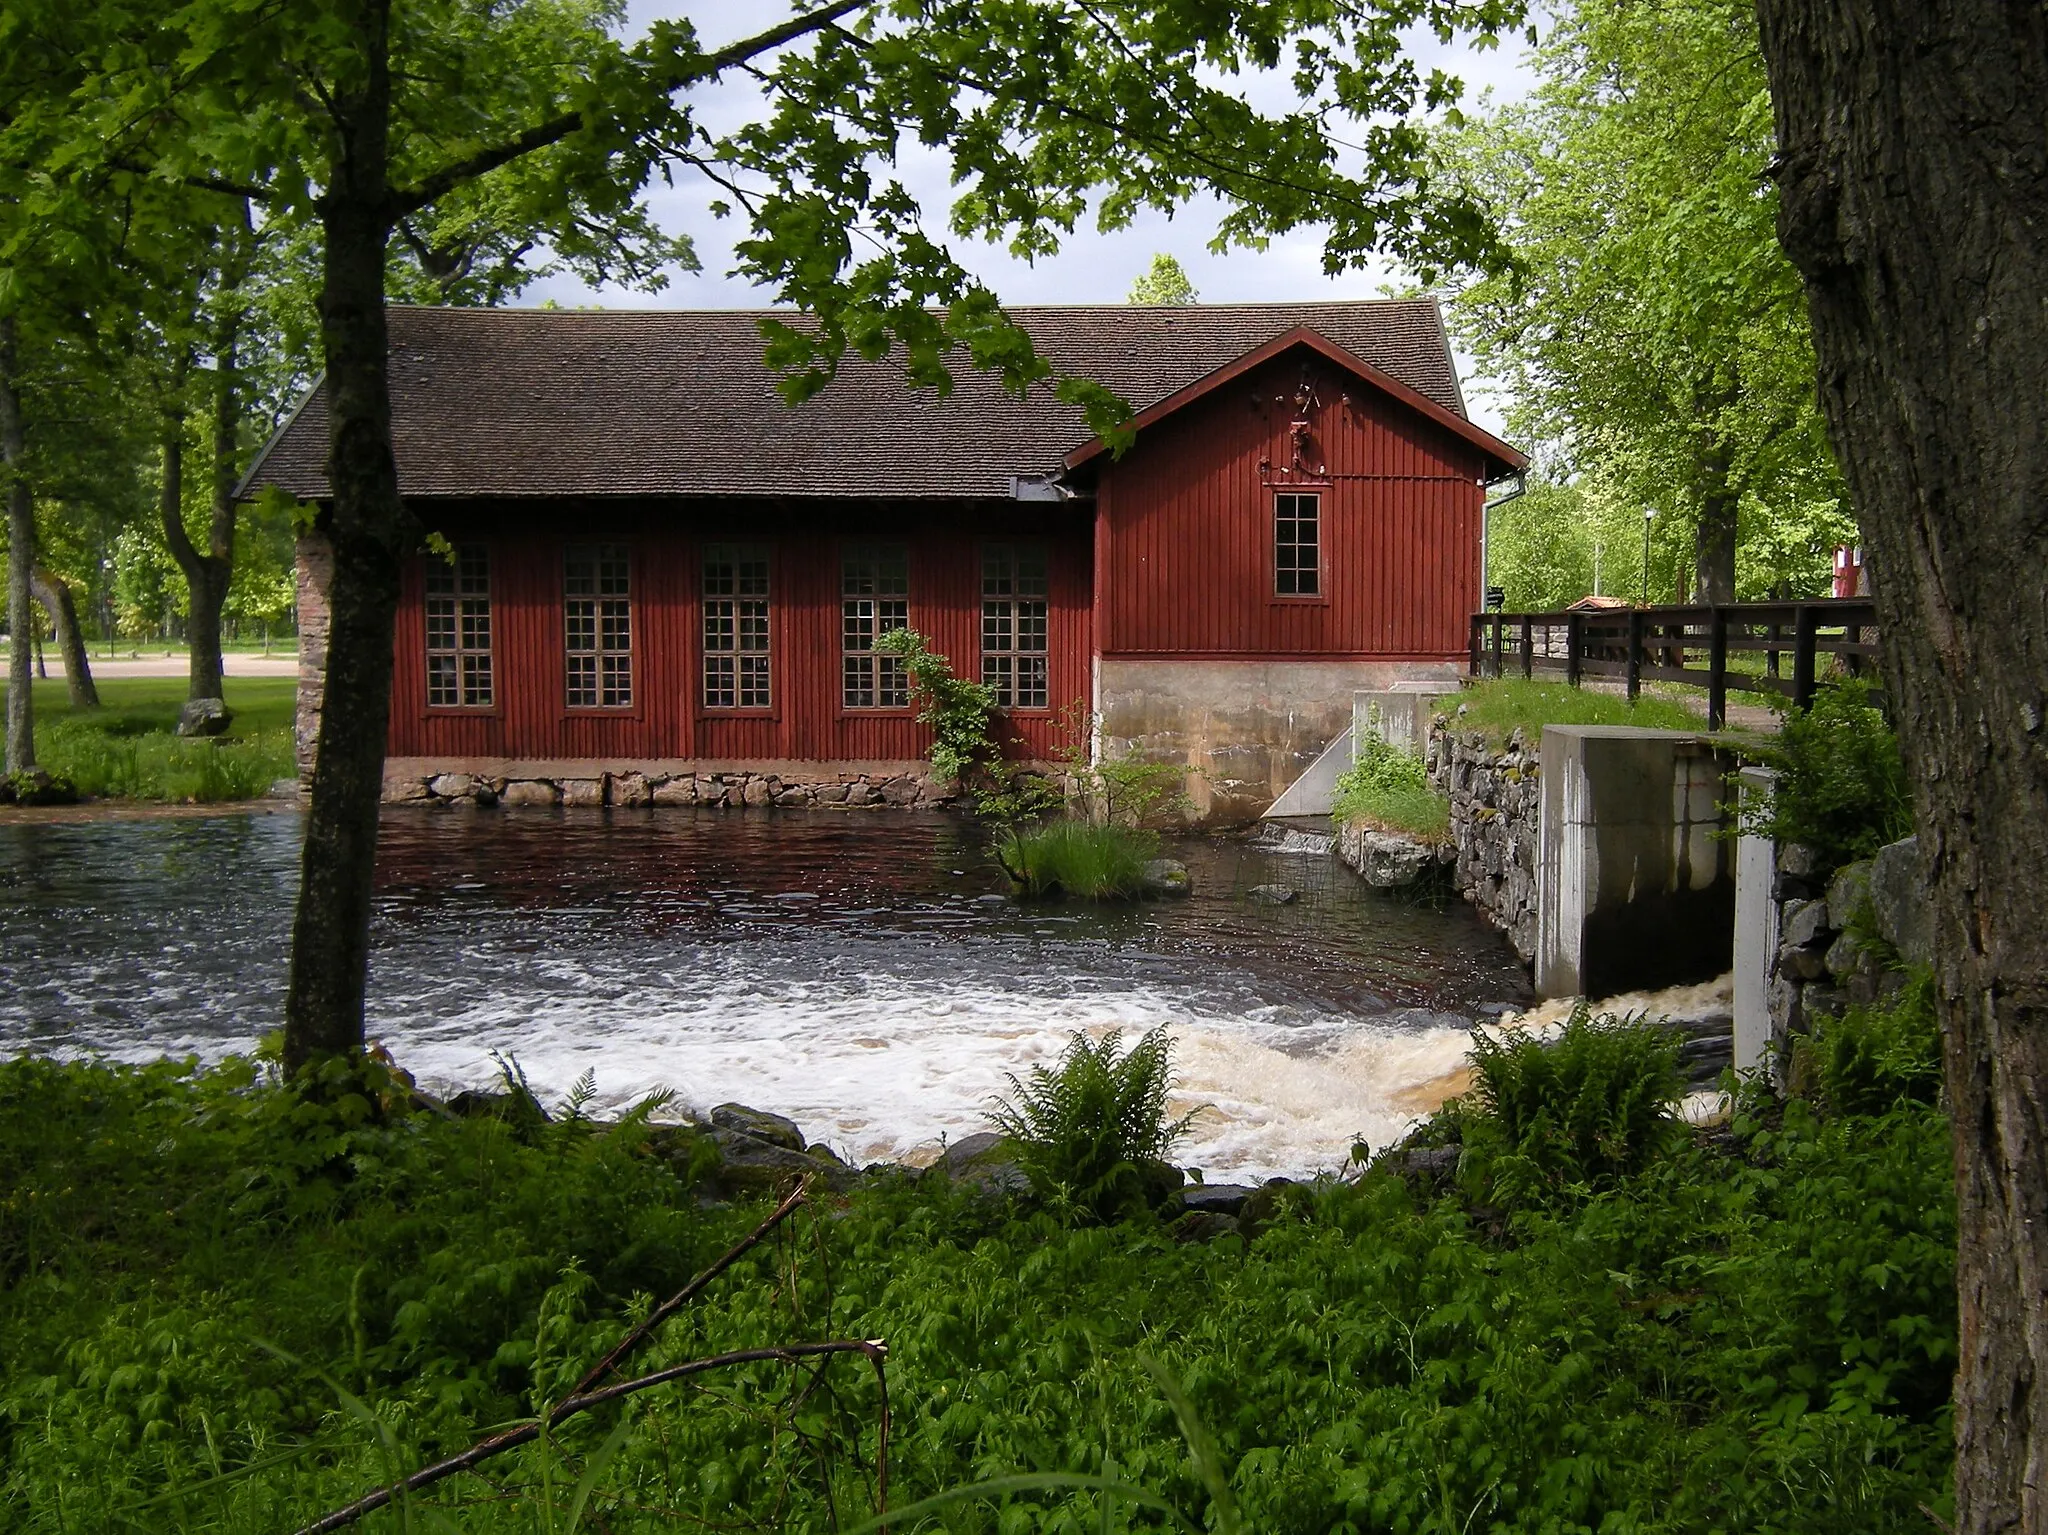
x: 503, y: 403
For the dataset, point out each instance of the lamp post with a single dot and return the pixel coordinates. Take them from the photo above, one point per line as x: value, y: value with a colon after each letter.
x: 1649, y: 516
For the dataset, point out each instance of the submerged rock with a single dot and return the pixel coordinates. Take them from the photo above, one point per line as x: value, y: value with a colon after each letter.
x: 1272, y: 895
x: 1168, y: 877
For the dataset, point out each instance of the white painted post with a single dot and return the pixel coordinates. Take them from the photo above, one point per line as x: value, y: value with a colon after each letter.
x: 1756, y: 934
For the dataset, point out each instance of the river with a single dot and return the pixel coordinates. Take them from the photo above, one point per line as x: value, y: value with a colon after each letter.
x: 862, y: 973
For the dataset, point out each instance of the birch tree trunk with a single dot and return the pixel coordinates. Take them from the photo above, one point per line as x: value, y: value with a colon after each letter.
x: 1914, y: 199
x: 21, y: 553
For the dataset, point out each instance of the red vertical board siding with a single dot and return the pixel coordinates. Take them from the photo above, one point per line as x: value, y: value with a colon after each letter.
x: 806, y: 723
x: 1185, y: 563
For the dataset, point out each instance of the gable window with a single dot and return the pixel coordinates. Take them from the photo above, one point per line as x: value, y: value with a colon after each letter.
x: 1013, y: 625
x: 874, y: 600
x: 736, y: 673
x: 1297, y: 545
x: 597, y: 607
x: 459, y: 629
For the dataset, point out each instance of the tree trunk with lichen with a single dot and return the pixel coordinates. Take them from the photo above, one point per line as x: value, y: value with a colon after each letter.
x: 369, y: 531
x: 21, y: 547
x: 1913, y: 179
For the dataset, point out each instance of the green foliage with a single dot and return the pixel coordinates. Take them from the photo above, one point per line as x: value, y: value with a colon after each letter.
x: 128, y: 749
x: 1085, y: 1127
x: 1841, y: 787
x: 1094, y: 861
x: 1649, y: 335
x: 1389, y: 788
x: 1756, y: 1333
x: 960, y: 714
x: 1590, y: 1107
x: 1163, y: 283
x: 1877, y: 1057
x: 1510, y: 704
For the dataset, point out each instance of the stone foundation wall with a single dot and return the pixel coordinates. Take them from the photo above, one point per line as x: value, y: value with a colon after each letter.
x: 1496, y: 817
x: 1246, y: 729
x: 836, y: 785
x: 1820, y: 968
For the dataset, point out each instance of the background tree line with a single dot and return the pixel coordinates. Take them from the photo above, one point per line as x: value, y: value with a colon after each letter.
x: 1647, y: 336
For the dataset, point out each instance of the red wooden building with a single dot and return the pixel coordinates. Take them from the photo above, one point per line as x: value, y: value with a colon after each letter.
x: 668, y: 583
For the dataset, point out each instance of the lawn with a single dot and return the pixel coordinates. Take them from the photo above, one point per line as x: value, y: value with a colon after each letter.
x: 127, y: 748
x: 1511, y: 704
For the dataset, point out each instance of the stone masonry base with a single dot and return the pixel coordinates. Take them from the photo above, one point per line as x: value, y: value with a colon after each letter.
x: 496, y: 781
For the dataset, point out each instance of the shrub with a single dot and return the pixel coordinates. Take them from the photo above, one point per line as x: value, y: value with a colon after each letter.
x: 1841, y: 787
x: 1388, y: 788
x: 1085, y: 1128
x: 1077, y: 858
x: 1586, y: 1108
x: 961, y: 714
x: 1875, y: 1058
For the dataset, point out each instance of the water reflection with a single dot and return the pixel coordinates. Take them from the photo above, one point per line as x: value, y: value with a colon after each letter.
x: 864, y: 973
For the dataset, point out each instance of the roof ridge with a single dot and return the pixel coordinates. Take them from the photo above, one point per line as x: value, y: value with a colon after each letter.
x: 1015, y: 309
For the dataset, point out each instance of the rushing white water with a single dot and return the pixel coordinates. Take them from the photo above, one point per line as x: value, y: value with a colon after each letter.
x: 859, y: 974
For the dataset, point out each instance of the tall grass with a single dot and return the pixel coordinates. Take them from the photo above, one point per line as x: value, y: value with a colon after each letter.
x: 129, y: 748
x: 1077, y: 858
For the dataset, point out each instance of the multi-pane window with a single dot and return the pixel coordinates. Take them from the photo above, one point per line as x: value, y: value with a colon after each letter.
x: 874, y: 600
x: 1297, y: 545
x: 597, y: 606
x: 736, y: 671
x: 1013, y: 625
x: 459, y: 630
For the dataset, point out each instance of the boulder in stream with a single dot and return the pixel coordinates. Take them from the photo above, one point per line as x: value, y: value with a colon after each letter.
x: 761, y: 1125
x: 1168, y: 877
x: 1272, y: 895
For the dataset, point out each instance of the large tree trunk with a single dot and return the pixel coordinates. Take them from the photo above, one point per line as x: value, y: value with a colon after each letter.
x: 1714, y: 534
x: 369, y: 531
x: 1914, y: 182
x: 54, y: 593
x: 21, y: 553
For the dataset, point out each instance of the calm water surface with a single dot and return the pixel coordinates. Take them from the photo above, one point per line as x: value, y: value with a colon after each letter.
x: 864, y: 974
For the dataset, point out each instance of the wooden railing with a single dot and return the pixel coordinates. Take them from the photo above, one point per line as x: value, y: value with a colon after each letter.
x: 1707, y: 647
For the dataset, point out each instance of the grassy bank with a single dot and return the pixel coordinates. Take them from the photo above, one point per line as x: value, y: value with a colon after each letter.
x: 1510, y: 704
x: 1388, y: 789
x: 229, y: 1309
x: 127, y: 748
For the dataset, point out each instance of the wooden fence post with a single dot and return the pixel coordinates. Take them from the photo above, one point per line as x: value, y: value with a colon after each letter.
x: 1635, y: 654
x: 1717, y: 670
x: 1476, y: 621
x: 1574, y: 647
x: 1498, y: 626
x: 1528, y: 649
x: 1803, y: 634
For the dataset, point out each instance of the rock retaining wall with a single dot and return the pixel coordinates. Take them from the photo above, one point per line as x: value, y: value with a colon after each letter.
x: 1496, y: 813
x: 1833, y: 932
x: 594, y: 784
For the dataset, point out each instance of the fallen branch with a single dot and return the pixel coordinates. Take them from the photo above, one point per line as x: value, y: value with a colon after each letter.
x: 585, y: 1393
x: 876, y: 1351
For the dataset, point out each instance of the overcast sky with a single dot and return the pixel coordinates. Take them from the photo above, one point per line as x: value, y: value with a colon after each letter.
x: 1093, y: 268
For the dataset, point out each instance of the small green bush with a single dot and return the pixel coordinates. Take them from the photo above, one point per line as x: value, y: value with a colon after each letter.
x: 129, y: 748
x: 1584, y: 1109
x: 1085, y: 1128
x: 1841, y: 788
x: 1875, y: 1058
x: 1388, y: 788
x: 961, y: 714
x: 1077, y: 858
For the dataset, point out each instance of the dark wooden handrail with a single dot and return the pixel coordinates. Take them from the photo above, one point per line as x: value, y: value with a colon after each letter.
x: 1655, y: 643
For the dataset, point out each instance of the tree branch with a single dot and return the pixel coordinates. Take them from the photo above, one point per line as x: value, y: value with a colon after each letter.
x: 555, y: 129
x: 876, y: 1351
